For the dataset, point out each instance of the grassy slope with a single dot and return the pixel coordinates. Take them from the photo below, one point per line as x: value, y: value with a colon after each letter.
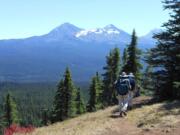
x: 161, y: 117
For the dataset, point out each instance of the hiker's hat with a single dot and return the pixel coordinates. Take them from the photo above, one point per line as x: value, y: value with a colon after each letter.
x: 124, y: 74
x: 131, y: 75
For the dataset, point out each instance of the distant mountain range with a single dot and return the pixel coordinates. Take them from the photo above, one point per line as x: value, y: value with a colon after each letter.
x: 44, y: 58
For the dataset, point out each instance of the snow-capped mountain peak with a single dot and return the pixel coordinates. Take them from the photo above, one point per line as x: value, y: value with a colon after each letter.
x: 109, y: 33
x: 109, y: 29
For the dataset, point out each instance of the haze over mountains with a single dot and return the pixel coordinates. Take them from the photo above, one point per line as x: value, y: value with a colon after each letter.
x: 44, y: 58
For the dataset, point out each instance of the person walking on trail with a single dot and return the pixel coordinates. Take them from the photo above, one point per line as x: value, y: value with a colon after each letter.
x: 123, y: 86
x: 132, y: 90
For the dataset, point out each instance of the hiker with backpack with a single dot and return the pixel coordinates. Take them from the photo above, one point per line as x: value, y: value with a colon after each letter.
x: 132, y: 90
x: 123, y: 86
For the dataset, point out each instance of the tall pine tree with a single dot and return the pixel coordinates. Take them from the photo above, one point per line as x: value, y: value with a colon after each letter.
x: 70, y: 94
x: 99, y: 100
x: 92, y: 93
x: 165, y: 57
x: 133, y: 61
x: 10, y: 111
x: 95, y: 92
x: 112, y: 70
x: 80, y: 106
x: 65, y: 99
x: 124, y: 59
x: 58, y: 113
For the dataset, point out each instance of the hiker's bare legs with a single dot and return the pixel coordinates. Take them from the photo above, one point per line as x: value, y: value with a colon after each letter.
x: 123, y: 104
x: 120, y: 98
x: 131, y: 94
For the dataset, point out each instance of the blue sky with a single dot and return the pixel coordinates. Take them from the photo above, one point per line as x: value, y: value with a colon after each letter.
x: 24, y: 18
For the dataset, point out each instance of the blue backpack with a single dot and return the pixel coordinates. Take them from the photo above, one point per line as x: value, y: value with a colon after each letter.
x: 132, y: 83
x: 122, y: 86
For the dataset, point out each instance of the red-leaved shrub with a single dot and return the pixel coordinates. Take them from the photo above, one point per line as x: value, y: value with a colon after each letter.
x: 17, y: 129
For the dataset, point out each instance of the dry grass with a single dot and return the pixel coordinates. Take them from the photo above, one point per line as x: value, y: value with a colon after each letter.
x: 101, y: 122
x: 87, y: 124
x: 162, y: 114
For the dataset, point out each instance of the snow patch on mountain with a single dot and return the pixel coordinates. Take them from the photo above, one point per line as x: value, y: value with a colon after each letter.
x: 109, y: 29
x: 86, y: 32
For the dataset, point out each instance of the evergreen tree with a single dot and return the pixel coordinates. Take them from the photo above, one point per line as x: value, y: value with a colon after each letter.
x: 92, y: 93
x: 112, y: 70
x: 10, y: 109
x: 165, y: 57
x: 64, y: 105
x: 133, y: 61
x: 99, y: 91
x: 80, y: 106
x: 95, y: 92
x: 70, y: 95
x: 58, y: 113
x: 124, y: 59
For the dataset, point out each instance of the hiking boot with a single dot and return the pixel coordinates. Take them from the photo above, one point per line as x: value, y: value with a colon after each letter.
x: 121, y: 114
x: 125, y: 114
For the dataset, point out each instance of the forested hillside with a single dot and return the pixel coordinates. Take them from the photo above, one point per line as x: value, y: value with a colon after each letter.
x: 44, y: 58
